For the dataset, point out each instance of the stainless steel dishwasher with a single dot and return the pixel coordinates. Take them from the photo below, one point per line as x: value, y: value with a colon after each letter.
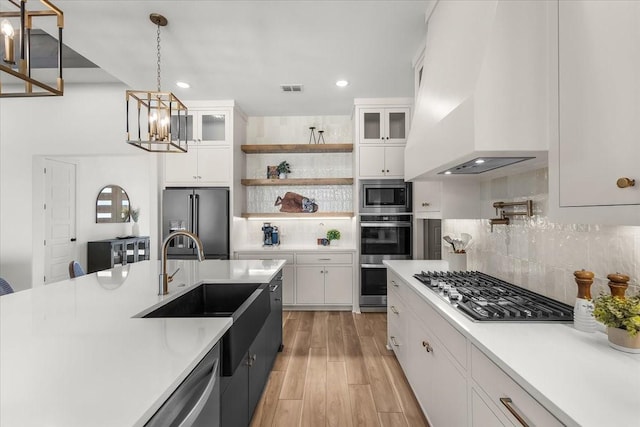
x: 196, y: 401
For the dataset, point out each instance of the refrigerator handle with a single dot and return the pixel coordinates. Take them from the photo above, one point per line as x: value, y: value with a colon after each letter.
x: 191, y: 219
x: 196, y: 225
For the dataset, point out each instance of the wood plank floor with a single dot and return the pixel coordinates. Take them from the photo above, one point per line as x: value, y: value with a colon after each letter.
x: 335, y: 370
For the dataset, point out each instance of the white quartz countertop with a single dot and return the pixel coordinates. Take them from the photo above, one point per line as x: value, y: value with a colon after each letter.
x: 298, y: 247
x: 73, y: 354
x: 575, y: 375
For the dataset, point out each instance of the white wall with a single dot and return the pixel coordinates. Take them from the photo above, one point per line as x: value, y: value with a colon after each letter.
x: 85, y: 126
x: 542, y: 255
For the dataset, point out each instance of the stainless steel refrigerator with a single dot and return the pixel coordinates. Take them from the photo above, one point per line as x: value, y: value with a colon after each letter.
x: 204, y: 212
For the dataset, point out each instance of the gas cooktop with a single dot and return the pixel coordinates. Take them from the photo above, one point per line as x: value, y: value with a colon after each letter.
x: 483, y: 297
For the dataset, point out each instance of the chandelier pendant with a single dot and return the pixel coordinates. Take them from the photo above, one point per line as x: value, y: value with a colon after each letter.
x: 16, y: 79
x: 156, y: 120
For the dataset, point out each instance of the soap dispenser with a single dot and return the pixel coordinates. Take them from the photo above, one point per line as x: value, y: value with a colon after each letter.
x: 583, y: 319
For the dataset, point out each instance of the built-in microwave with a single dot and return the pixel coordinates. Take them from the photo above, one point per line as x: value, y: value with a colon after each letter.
x: 385, y: 196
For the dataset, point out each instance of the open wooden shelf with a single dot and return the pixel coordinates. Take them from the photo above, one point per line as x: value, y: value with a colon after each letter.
x: 297, y: 148
x: 297, y: 181
x: 297, y: 215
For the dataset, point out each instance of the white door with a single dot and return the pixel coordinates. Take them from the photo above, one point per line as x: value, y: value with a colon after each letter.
x: 60, y: 219
x: 394, y: 161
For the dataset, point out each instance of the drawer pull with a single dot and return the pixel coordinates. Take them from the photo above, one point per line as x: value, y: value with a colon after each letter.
x: 393, y: 282
x: 394, y: 342
x: 394, y: 310
x: 508, y: 403
x: 427, y: 346
x: 324, y: 259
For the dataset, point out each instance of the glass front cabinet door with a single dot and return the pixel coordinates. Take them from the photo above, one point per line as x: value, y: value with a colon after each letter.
x: 203, y: 127
x: 384, y: 125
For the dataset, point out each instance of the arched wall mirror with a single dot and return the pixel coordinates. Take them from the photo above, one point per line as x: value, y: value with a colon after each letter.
x: 112, y: 205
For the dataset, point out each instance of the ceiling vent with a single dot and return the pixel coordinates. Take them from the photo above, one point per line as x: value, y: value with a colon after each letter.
x: 291, y: 88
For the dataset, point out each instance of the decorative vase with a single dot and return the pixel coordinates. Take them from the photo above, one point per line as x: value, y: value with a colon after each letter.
x: 282, y: 175
x: 135, y: 229
x: 621, y: 340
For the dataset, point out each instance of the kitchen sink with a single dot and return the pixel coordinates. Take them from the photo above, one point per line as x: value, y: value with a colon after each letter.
x: 247, y: 303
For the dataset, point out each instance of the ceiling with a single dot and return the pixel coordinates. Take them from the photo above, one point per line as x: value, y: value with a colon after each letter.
x: 244, y: 50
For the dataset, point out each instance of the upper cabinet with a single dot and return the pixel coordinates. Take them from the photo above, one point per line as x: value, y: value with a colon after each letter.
x: 209, y: 128
x: 206, y: 127
x: 486, y: 85
x: 599, y: 106
x: 384, y: 125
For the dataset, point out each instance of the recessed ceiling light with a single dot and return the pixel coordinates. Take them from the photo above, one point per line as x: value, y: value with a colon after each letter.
x: 342, y: 83
x: 447, y: 173
x: 479, y: 162
x: 183, y: 85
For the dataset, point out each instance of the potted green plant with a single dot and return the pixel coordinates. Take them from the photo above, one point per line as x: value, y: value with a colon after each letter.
x: 333, y: 234
x: 621, y: 315
x: 283, y: 169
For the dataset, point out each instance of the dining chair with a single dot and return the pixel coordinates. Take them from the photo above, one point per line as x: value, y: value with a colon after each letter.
x: 75, y: 269
x: 5, y: 287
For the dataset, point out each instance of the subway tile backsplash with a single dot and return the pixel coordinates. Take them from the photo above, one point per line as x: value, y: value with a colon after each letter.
x: 542, y: 255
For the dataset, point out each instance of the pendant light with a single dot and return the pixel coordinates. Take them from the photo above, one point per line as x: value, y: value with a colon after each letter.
x: 158, y: 119
x: 16, y: 24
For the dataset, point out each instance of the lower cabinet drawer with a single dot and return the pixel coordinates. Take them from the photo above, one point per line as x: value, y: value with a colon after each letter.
x: 325, y: 258
x: 512, y: 400
x: 267, y: 255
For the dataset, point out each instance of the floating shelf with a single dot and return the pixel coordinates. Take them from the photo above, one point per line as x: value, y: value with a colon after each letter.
x: 297, y: 215
x: 297, y: 181
x: 297, y: 148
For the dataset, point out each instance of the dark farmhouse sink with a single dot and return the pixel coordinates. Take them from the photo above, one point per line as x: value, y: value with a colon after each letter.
x: 247, y: 303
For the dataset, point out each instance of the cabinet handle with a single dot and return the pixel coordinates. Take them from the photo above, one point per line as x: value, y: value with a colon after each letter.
x: 427, y: 346
x: 394, y: 342
x: 625, y: 182
x: 324, y: 259
x: 195, y: 177
x: 199, y: 177
x: 425, y: 204
x: 394, y: 309
x: 508, y: 403
x: 274, y: 288
x: 393, y: 282
x: 382, y: 171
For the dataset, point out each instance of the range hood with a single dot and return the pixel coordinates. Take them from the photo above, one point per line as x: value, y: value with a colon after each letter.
x: 489, y: 90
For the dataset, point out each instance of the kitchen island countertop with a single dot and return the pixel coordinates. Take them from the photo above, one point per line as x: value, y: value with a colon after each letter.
x: 72, y: 353
x: 574, y: 374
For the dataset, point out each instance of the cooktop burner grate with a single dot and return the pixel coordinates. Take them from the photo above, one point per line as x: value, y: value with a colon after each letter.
x: 483, y: 297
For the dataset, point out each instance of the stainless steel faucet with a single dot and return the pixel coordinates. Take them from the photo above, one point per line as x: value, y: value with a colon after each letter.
x: 163, y: 282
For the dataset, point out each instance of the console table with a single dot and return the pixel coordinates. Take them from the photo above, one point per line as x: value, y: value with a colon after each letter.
x: 105, y: 254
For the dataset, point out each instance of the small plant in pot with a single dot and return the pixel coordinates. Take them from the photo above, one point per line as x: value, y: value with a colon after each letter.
x: 333, y: 234
x: 283, y: 169
x: 622, y: 317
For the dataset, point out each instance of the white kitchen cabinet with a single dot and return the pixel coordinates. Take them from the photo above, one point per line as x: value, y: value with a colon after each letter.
x: 204, y: 127
x: 288, y: 271
x: 441, y: 387
x: 378, y: 161
x: 313, y: 278
x: 324, y: 284
x: 397, y: 322
x: 599, y: 106
x: 200, y: 166
x: 448, y: 199
x: 483, y: 413
x: 384, y: 125
x: 435, y: 371
x: 511, y: 400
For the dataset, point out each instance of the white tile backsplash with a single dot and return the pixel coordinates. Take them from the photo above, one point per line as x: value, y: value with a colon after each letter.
x: 541, y: 255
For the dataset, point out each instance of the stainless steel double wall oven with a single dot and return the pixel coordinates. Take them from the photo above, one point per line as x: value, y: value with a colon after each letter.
x: 385, y: 233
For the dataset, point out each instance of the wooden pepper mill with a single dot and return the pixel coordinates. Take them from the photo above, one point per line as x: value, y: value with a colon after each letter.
x: 618, y: 284
x: 583, y: 319
x: 584, y: 279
